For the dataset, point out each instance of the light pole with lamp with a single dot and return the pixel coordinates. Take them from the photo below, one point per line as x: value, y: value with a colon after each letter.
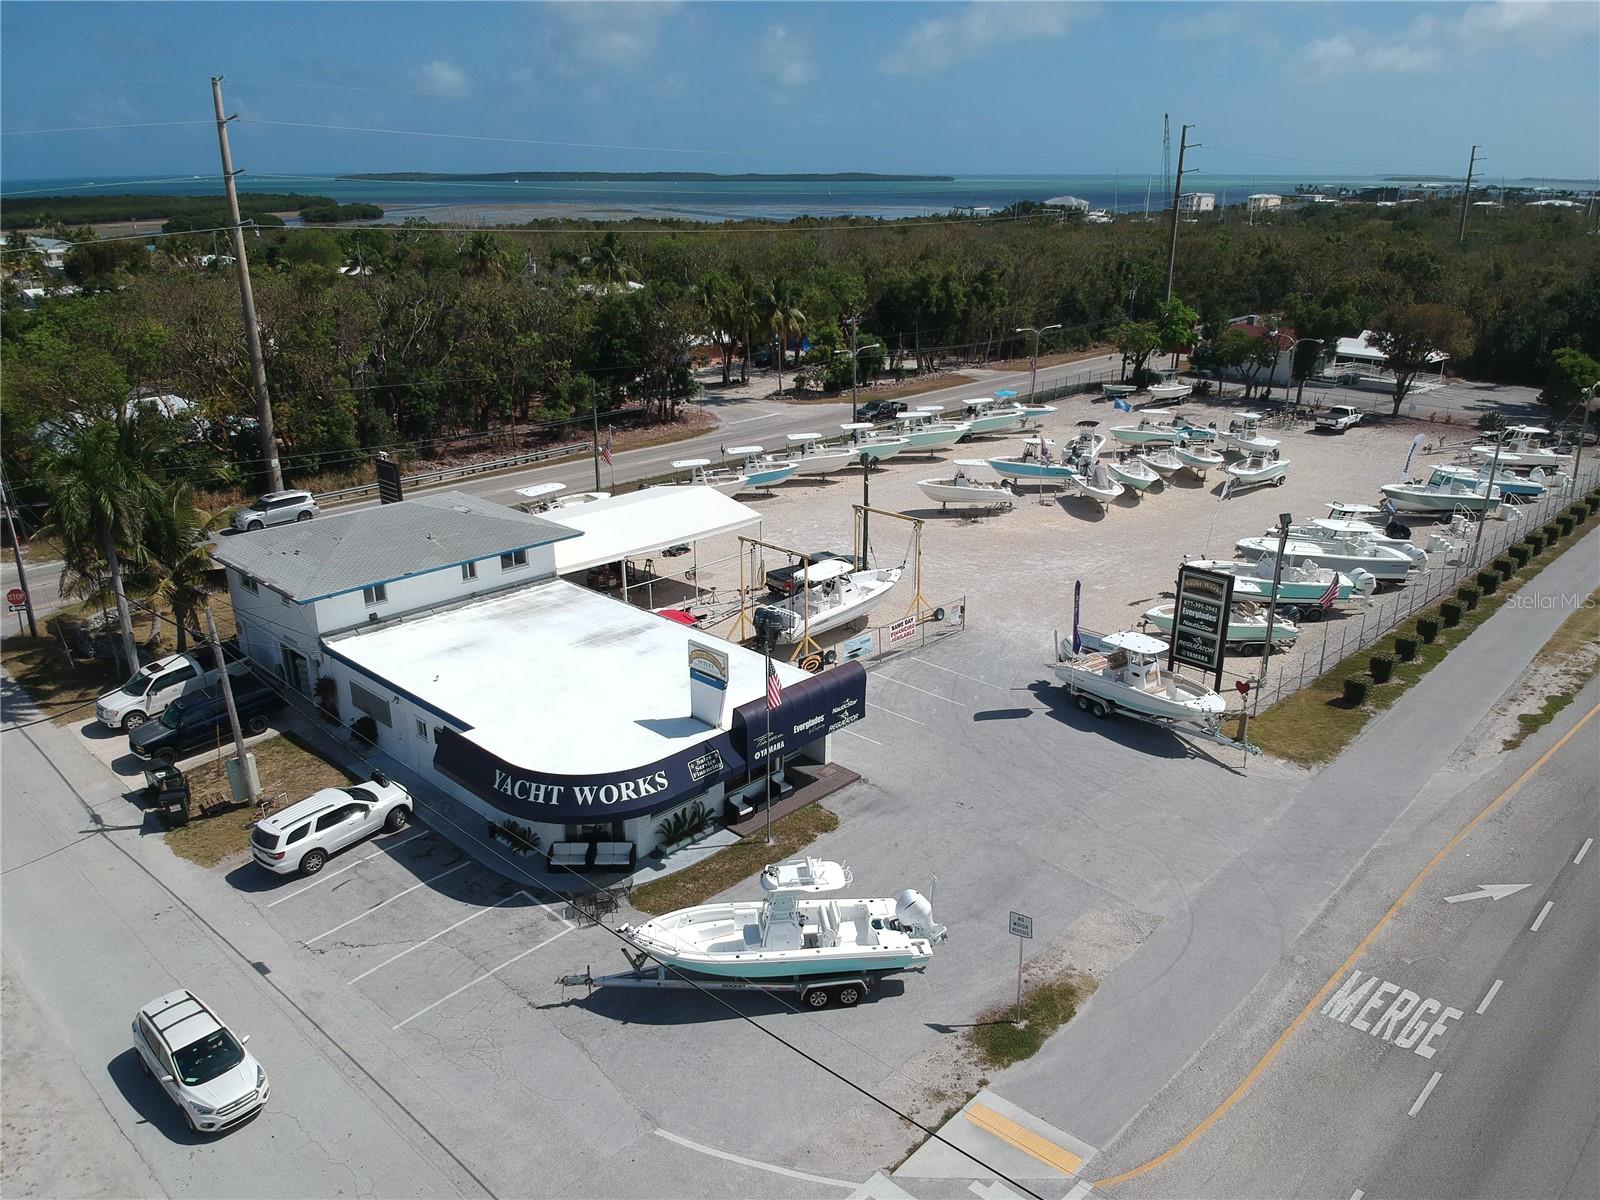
x: 1033, y: 368
x: 855, y: 374
x: 1590, y: 395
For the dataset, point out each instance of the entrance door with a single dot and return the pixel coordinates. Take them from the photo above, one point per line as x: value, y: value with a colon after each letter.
x: 296, y: 670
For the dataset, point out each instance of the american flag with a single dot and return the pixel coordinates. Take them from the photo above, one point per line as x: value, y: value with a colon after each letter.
x: 774, y: 688
x: 1325, y: 601
x: 605, y: 451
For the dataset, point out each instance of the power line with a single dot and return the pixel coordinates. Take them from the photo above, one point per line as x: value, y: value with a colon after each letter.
x: 96, y: 128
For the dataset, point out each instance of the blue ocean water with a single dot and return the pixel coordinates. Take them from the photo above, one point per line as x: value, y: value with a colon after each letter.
x: 707, y: 200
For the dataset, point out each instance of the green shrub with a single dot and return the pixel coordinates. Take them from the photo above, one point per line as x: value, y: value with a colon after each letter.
x: 1488, y: 582
x: 1355, y: 692
x: 1450, y: 614
x: 1505, y: 567
x: 1381, y: 666
x: 1520, y: 554
x: 1566, y: 524
x: 1427, y: 629
x: 1469, y: 596
x: 1406, y: 648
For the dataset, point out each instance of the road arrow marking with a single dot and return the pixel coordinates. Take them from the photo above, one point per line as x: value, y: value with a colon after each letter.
x: 1489, y: 891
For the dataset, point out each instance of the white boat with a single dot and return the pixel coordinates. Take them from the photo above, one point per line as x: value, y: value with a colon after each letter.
x: 1155, y: 428
x: 1521, y: 445
x: 1095, y: 482
x: 828, y: 594
x: 1352, y: 519
x: 811, y: 456
x: 1036, y: 412
x: 727, y: 482
x: 988, y: 414
x: 1036, y: 462
x: 1088, y: 444
x: 1247, y: 625
x: 1170, y: 391
x: 1118, y: 389
x: 1195, y: 435
x: 1510, y: 486
x: 1337, y: 546
x: 962, y: 488
x: 540, y: 497
x: 1244, y: 435
x: 1197, y: 458
x: 794, y: 931
x: 1131, y: 472
x: 760, y: 470
x: 925, y: 433
x: 1444, y: 492
x: 1123, y: 671
x: 863, y: 437
x: 1299, y: 582
x: 1163, y: 462
x: 578, y: 499
x: 1259, y: 469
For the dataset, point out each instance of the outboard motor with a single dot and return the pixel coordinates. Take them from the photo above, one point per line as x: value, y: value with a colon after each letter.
x: 1396, y: 529
x: 915, y: 915
x: 1362, y: 583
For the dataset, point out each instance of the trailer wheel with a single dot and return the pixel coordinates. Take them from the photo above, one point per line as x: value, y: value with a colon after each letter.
x: 1083, y: 703
x: 1100, y: 708
x: 849, y: 995
x: 815, y: 997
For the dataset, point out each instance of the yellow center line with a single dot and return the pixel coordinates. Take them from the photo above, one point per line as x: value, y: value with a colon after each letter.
x: 1256, y: 1071
x: 1024, y: 1139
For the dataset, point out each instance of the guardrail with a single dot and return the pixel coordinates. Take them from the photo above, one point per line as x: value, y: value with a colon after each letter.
x: 445, y: 474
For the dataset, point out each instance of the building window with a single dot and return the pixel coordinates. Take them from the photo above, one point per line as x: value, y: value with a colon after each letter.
x: 371, y: 703
x: 469, y: 571
x: 422, y: 730
x: 248, y: 584
x: 510, y: 562
x: 376, y: 594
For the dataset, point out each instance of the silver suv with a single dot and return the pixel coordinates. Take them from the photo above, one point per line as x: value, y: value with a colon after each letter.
x: 203, y: 1068
x: 276, y: 508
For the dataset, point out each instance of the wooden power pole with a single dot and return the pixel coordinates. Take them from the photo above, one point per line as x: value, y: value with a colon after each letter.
x: 247, y: 299
x: 1466, y: 198
x: 1177, y: 192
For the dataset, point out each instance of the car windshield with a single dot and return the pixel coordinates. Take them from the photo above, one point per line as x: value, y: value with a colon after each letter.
x: 140, y: 683
x: 202, y: 1061
x: 170, y: 718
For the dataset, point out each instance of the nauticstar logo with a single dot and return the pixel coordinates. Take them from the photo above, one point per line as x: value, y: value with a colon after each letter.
x: 605, y: 793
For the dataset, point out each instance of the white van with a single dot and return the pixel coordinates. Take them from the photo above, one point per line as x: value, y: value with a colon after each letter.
x: 155, y: 686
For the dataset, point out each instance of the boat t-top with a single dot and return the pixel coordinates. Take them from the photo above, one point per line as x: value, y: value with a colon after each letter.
x: 989, y: 414
x: 1122, y: 671
x: 1244, y: 435
x: 794, y: 930
x: 963, y: 488
x: 1521, y: 445
x: 727, y: 482
x: 1155, y: 428
x: 925, y: 431
x: 760, y: 470
x: 540, y: 497
x: 827, y: 594
x: 863, y: 437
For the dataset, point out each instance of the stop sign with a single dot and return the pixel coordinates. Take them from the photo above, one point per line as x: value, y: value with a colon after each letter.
x: 15, y: 597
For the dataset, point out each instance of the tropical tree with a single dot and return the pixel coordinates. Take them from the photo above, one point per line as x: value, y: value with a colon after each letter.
x: 1231, y: 351
x: 1136, y: 341
x: 1573, y: 376
x: 1412, y: 334
x: 484, y: 257
x: 715, y: 294
x: 784, y: 318
x: 177, y: 540
x: 607, y: 266
x: 1175, y: 322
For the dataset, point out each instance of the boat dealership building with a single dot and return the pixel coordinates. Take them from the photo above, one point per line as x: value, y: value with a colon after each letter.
x: 439, y: 629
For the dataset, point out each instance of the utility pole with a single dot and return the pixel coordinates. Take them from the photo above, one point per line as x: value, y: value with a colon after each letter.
x: 246, y: 772
x: 1466, y: 197
x: 22, y: 573
x: 594, y: 418
x: 1177, y: 191
x: 247, y: 299
x: 855, y: 372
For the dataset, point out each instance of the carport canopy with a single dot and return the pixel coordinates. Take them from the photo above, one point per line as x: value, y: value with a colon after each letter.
x: 644, y: 521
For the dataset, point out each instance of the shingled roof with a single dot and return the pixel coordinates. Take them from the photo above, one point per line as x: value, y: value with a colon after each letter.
x: 312, y: 560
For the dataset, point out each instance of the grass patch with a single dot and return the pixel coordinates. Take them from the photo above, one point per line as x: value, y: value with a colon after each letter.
x: 60, y: 690
x: 287, y: 766
x: 1530, y: 723
x: 1578, y: 637
x: 1046, y: 1007
x: 697, y: 884
x: 1316, y: 723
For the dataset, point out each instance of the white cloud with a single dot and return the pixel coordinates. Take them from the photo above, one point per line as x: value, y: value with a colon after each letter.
x: 1539, y: 25
x: 975, y: 29
x: 607, y: 37
x: 1344, y: 55
x: 782, y: 55
x: 442, y: 78
x: 1209, y: 22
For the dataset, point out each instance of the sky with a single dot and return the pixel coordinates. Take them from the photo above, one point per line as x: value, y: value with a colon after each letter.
x: 955, y: 88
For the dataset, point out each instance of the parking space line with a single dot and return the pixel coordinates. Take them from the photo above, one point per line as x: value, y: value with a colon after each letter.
x: 440, y: 934
x: 1543, y: 913
x: 1488, y: 996
x: 487, y: 974
x: 892, y: 713
x: 891, y: 679
x: 1582, y: 850
x: 325, y: 875
x: 963, y: 675
x: 390, y: 900
x: 862, y: 736
x: 1427, y: 1091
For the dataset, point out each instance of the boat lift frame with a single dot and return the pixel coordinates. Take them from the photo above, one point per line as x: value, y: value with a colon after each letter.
x: 743, y: 627
x: 815, y: 992
x: 860, y: 512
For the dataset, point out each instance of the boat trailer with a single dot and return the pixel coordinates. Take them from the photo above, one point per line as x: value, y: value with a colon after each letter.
x: 815, y: 992
x: 1101, y: 707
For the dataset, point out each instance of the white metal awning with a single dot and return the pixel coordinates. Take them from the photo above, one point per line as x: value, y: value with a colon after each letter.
x: 645, y: 521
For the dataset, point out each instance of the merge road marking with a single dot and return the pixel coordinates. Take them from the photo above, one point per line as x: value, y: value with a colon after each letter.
x: 1427, y: 1091
x: 1405, y: 1022
x: 488, y: 974
x: 440, y: 934
x: 390, y: 900
x: 1543, y: 913
x: 326, y: 875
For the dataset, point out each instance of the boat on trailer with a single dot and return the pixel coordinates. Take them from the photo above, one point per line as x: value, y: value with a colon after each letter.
x: 1343, y: 546
x: 1244, y: 435
x: 1259, y: 468
x: 1247, y: 624
x: 989, y: 414
x: 1155, y: 428
x: 926, y: 433
x: 1170, y: 391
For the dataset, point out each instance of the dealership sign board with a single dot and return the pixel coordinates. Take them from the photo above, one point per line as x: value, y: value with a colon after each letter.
x: 1200, y: 619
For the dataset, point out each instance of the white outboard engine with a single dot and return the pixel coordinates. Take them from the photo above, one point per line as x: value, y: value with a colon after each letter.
x: 1363, y: 583
x: 915, y: 915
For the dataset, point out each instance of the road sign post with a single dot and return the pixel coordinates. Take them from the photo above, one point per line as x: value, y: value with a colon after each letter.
x: 17, y: 600
x: 1022, y: 927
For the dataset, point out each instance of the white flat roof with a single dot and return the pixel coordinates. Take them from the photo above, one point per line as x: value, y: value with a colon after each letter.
x: 645, y: 521
x: 556, y: 676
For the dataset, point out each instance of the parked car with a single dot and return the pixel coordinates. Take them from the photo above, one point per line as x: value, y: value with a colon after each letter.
x: 781, y: 580
x: 157, y: 684
x: 879, y: 411
x: 276, y: 508
x: 198, y: 720
x: 200, y: 1064
x: 1339, y: 418
x: 305, y: 835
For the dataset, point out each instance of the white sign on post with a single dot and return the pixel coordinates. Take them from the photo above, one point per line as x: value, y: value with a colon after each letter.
x: 1021, y: 926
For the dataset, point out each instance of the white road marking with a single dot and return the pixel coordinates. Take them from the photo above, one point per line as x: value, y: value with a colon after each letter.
x: 1079, y: 1190
x: 1357, y: 1194
x: 974, y: 678
x: 862, y: 736
x: 1489, y: 891
x: 440, y: 934
x: 326, y: 875
x: 1543, y: 913
x: 915, y: 688
x: 758, y: 417
x: 1582, y: 850
x: 1427, y: 1090
x: 487, y: 974
x: 385, y: 903
x: 750, y: 1162
x: 1488, y: 996
x: 892, y: 713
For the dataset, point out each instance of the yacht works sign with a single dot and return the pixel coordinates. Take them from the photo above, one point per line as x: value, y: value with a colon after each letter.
x: 1200, y: 619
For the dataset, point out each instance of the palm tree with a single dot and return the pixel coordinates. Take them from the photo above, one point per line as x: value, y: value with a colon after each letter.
x: 178, y: 537
x: 715, y: 295
x: 747, y: 315
x: 100, y: 489
x: 783, y: 317
x: 483, y: 256
x: 608, y: 267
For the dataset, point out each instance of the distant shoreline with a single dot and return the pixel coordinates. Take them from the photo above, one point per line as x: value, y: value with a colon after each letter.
x: 638, y: 176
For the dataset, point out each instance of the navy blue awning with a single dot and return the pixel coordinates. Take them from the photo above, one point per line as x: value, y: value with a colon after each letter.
x: 813, y: 707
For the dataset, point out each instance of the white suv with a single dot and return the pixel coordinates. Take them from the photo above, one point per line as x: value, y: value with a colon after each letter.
x: 206, y: 1071
x: 305, y: 835
x: 276, y: 508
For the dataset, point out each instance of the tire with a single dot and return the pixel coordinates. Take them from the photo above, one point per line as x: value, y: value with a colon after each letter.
x: 252, y: 526
x: 133, y: 720
x: 256, y: 723
x: 188, y: 1120
x: 398, y: 818
x: 313, y: 862
x: 144, y: 1066
x: 1083, y: 703
x: 1311, y: 615
x: 1099, y: 708
x: 938, y: 614
x: 305, y: 516
x: 816, y: 998
x: 1280, y: 481
x: 848, y: 995
x: 829, y: 657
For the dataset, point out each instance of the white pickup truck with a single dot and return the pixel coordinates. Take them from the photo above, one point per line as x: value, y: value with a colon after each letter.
x: 1339, y: 418
x: 156, y: 685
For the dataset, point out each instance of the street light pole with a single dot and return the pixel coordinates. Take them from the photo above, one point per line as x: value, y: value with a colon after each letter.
x: 1033, y: 363
x: 855, y: 374
x: 1590, y: 395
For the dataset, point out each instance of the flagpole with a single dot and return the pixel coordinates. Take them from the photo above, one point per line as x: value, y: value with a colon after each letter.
x: 766, y: 680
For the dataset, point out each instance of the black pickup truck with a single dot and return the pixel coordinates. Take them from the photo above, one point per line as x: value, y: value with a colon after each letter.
x: 199, y: 719
x: 879, y: 411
